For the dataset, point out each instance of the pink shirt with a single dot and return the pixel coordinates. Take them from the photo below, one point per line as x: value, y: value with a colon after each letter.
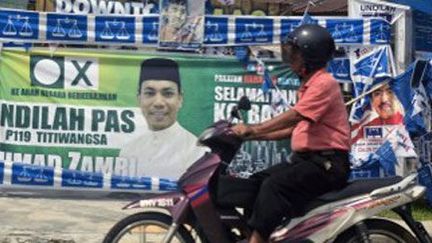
x: 320, y: 100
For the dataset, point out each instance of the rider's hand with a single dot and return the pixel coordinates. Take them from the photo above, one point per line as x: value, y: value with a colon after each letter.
x: 242, y: 130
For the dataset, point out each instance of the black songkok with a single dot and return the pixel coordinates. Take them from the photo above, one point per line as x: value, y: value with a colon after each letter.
x: 159, y: 69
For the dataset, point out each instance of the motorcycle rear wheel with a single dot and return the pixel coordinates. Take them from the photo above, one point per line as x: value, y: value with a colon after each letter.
x: 379, y: 231
x: 150, y: 227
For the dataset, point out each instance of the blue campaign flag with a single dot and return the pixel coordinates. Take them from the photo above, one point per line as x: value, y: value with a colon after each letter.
x: 242, y: 53
x: 1, y: 172
x: 368, y: 168
x: 24, y: 45
x: 62, y: 27
x: 421, y: 5
x: 373, y: 65
x: 25, y: 174
x: 340, y: 69
x: 73, y: 178
x: 17, y: 24
x: 307, y: 19
x: 131, y: 183
x: 267, y: 82
x: 358, y: 109
x: 409, y: 89
x: 427, y: 80
x: 361, y: 105
x: 421, y: 107
x: 401, y: 86
x: 115, y: 29
x: 209, y: 9
x: 387, y: 158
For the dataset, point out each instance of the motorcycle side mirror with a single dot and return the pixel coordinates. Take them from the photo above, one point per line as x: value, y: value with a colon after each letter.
x: 244, y: 103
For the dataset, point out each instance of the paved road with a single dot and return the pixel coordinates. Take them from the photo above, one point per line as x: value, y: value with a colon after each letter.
x: 34, y: 220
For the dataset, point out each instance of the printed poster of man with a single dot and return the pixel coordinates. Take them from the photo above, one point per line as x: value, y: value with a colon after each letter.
x: 169, y: 147
x: 181, y: 24
x: 381, y: 126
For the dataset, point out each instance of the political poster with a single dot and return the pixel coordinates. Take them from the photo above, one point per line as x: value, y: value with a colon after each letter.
x: 181, y: 24
x: 390, y: 113
x: 86, y: 111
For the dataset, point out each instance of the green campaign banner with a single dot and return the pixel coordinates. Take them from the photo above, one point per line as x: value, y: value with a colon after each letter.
x: 127, y: 113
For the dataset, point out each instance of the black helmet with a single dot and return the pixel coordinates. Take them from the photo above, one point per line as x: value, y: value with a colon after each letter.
x: 315, y: 43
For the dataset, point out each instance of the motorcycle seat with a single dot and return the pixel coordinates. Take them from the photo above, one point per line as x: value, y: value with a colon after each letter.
x: 354, y: 188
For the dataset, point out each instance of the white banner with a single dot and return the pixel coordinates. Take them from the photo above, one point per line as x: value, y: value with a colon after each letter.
x: 366, y: 8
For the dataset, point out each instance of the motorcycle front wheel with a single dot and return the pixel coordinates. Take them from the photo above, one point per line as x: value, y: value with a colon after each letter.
x: 379, y: 231
x: 146, y: 227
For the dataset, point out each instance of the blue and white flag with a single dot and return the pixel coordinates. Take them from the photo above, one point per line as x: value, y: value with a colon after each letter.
x: 428, y: 79
x: 387, y: 159
x: 267, y: 83
x: 373, y: 65
x: 242, y: 53
x: 421, y: 106
x: 307, y: 19
x: 340, y: 69
x: 410, y: 88
x: 279, y: 102
x: 360, y: 107
x: 365, y: 168
x: 36, y: 176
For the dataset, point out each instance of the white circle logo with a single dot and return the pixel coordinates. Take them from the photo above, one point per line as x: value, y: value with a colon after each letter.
x: 47, y: 71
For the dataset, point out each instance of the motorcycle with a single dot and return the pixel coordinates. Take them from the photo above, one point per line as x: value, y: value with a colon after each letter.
x: 211, y: 206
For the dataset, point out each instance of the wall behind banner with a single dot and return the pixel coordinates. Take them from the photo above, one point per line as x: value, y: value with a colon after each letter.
x: 77, y: 109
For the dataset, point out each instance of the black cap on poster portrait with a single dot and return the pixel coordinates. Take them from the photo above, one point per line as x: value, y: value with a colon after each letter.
x: 159, y: 69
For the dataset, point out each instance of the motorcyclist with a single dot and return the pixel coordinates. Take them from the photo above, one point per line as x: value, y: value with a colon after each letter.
x: 319, y: 131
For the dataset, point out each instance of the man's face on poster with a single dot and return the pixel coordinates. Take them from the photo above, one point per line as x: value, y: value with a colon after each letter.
x: 176, y: 14
x: 383, y: 101
x: 160, y: 100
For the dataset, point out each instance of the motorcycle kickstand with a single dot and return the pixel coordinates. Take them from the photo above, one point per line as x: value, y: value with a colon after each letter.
x: 362, y: 232
x: 171, y: 231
